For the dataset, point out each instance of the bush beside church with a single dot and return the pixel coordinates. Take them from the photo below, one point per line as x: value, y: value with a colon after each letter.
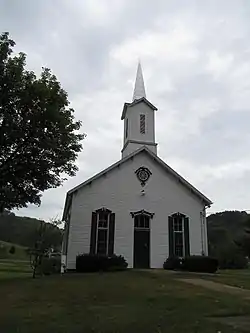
x: 202, y: 264
x: 97, y: 263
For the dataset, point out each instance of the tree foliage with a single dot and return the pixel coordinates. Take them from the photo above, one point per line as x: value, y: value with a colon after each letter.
x: 228, y: 238
x: 39, y: 138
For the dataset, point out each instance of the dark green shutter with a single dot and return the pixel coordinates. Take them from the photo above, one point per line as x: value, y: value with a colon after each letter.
x: 111, y: 234
x: 170, y: 236
x: 186, y: 236
x: 93, y: 233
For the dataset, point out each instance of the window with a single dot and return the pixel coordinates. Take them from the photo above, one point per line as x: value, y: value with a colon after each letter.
x: 142, y: 221
x: 102, y: 232
x: 178, y: 224
x: 179, y: 235
x: 142, y: 124
x: 178, y: 244
x: 126, y: 128
x: 178, y: 229
x: 103, y: 219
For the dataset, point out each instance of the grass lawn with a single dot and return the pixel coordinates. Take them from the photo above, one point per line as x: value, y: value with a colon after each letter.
x: 238, y: 278
x: 132, y: 301
x: 14, y: 269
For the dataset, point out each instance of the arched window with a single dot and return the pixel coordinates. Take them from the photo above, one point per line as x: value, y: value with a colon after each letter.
x: 178, y: 225
x: 102, y: 232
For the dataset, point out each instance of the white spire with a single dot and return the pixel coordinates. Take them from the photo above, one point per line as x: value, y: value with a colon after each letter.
x: 139, y: 90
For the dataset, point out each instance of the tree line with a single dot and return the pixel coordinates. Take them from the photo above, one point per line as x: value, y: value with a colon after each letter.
x: 229, y: 238
x: 24, y: 230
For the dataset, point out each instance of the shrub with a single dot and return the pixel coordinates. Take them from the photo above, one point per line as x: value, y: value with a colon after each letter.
x: 201, y: 264
x: 117, y: 263
x: 50, y: 265
x: 95, y: 263
x: 172, y: 263
x: 12, y: 249
x: 235, y: 260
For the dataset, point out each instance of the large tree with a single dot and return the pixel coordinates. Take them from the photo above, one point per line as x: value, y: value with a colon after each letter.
x: 39, y: 137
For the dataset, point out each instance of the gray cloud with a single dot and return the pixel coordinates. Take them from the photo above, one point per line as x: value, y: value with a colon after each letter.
x: 195, y: 58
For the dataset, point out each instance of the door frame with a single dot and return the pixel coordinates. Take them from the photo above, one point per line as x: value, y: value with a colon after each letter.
x: 148, y: 230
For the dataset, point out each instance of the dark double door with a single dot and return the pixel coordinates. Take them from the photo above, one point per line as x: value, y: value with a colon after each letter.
x: 141, y: 248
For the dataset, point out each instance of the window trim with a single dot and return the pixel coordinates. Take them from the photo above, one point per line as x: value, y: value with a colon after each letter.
x: 142, y: 211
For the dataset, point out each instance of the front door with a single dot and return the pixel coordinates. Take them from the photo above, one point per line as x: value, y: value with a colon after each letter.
x: 141, y: 248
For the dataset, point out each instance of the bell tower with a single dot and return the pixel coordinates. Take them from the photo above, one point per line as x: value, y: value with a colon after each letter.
x: 139, y: 120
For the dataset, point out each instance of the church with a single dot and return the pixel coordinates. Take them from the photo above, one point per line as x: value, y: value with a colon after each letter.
x: 139, y: 207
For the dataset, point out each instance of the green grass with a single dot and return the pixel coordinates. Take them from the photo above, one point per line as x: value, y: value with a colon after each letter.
x: 20, y: 251
x: 238, y: 278
x: 132, y: 301
x: 14, y: 269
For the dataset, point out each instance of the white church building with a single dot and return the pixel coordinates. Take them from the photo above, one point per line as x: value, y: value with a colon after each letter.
x: 138, y: 207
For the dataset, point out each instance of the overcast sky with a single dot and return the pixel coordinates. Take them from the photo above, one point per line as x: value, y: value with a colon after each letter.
x: 195, y: 57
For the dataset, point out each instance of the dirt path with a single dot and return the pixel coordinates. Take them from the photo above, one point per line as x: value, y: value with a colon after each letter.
x: 218, y: 287
x: 241, y: 323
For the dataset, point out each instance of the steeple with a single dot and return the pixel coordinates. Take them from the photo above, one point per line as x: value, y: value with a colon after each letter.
x: 139, y: 90
x: 139, y: 120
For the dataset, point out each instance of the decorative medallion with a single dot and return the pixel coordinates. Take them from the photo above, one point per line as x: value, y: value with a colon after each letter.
x: 143, y: 174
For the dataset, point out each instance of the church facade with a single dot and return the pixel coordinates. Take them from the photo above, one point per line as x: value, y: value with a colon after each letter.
x: 138, y: 207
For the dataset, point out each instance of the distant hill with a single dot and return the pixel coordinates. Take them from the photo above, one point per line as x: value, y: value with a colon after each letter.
x: 23, y: 230
x: 13, y: 251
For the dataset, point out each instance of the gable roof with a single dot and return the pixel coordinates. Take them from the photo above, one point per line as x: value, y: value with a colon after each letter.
x: 136, y: 101
x: 167, y: 168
